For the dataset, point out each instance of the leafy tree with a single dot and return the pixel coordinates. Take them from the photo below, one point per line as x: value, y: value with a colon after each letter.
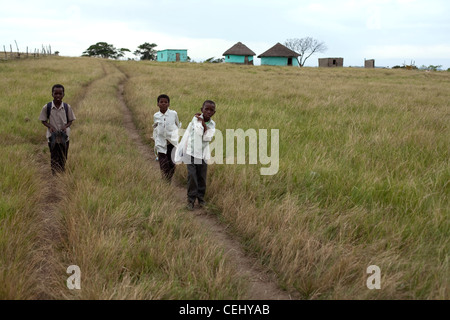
x: 433, y: 68
x: 105, y: 50
x: 146, y: 51
x: 101, y: 49
x: 306, y: 47
x: 121, y: 52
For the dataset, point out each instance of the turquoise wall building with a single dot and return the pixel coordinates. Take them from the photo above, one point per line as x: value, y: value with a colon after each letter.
x: 279, y: 55
x: 231, y: 58
x: 239, y: 53
x: 172, y: 55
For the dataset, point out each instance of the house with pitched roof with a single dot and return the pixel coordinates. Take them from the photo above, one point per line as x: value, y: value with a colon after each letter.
x: 279, y: 55
x: 239, y: 53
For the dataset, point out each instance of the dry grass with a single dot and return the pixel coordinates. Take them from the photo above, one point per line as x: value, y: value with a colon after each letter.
x: 113, y: 216
x: 363, y: 179
x: 364, y: 171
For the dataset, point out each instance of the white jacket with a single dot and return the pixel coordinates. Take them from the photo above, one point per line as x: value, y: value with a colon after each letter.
x: 195, y: 142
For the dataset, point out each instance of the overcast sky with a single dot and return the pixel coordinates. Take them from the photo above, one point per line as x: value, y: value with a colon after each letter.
x: 392, y: 32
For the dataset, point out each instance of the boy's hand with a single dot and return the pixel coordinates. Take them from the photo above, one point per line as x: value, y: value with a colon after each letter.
x: 197, y: 115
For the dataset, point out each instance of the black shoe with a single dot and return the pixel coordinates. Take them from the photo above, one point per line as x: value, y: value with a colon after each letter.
x: 190, y: 206
x: 202, y: 204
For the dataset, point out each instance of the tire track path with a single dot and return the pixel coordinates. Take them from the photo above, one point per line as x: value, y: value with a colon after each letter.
x: 49, y: 224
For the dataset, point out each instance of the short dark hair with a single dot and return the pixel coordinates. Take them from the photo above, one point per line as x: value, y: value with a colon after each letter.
x: 57, y: 86
x: 210, y: 102
x: 163, y: 96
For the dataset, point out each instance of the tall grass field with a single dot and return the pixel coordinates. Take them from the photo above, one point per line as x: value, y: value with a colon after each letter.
x: 363, y: 180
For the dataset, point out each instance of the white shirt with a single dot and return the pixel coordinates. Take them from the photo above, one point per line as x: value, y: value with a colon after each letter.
x: 198, y: 141
x: 165, y: 129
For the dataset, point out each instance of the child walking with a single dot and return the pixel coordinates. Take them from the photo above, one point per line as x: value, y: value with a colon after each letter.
x: 165, y: 134
x: 57, y: 116
x: 194, y: 152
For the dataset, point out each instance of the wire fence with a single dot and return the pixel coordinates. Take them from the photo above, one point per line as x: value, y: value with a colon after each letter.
x: 10, y: 53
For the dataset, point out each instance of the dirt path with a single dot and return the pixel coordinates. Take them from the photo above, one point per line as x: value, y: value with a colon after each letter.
x: 263, y: 284
x: 49, y: 223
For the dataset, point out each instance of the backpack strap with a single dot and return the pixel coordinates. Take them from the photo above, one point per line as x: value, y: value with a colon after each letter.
x: 66, y: 109
x: 49, y: 110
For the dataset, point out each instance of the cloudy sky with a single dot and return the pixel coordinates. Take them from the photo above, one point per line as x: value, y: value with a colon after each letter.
x: 392, y: 32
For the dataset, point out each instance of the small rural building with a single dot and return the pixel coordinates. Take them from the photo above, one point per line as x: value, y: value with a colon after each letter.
x: 239, y: 53
x: 279, y: 55
x: 172, y: 55
x: 331, y: 62
x: 369, y: 63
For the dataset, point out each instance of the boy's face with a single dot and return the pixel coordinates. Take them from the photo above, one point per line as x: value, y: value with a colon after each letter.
x: 163, y: 105
x: 58, y: 95
x: 208, y: 111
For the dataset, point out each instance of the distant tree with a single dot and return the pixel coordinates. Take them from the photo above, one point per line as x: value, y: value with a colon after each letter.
x: 101, y: 49
x: 306, y: 47
x: 433, y: 68
x: 146, y: 51
x: 121, y: 52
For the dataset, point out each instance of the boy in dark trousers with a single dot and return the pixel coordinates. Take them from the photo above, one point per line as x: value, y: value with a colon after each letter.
x: 165, y: 134
x: 194, y: 152
x: 57, y: 117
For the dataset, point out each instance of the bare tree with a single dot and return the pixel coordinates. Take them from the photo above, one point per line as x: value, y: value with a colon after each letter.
x: 306, y: 47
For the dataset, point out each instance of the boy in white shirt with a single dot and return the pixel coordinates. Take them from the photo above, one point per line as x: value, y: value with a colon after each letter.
x: 165, y: 134
x: 194, y: 151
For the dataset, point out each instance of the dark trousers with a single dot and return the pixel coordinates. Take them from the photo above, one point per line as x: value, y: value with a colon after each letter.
x: 196, y: 180
x: 58, y: 155
x: 166, y: 164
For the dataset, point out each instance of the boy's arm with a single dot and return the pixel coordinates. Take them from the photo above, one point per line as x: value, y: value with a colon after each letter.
x: 46, y: 121
x: 205, y: 127
x: 155, y: 122
x: 49, y: 126
x: 177, y: 121
x: 67, y: 125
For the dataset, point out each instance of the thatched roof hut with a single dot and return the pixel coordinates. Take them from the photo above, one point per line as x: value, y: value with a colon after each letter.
x: 279, y: 55
x: 239, y: 53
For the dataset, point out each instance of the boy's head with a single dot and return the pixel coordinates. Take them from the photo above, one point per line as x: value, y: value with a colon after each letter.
x: 58, y: 92
x: 208, y: 109
x: 163, y: 102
